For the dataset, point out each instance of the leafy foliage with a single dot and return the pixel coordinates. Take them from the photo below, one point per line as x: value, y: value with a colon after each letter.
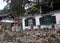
x: 15, y: 7
x: 4, y: 26
x: 33, y: 9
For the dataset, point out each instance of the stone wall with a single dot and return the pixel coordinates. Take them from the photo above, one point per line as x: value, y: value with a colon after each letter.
x: 40, y: 36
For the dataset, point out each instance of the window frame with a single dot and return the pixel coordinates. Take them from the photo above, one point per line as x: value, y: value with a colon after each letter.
x: 27, y: 21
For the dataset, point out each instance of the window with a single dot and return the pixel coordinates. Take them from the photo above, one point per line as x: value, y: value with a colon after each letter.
x: 0, y: 18
x: 26, y: 22
x: 53, y: 19
x: 30, y: 21
x: 47, y: 20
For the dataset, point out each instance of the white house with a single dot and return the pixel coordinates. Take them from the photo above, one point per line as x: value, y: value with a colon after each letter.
x: 44, y: 20
x: 44, y: 16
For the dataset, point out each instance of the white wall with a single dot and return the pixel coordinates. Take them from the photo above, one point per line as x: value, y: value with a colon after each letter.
x: 57, y: 20
x: 36, y: 19
x: 23, y: 23
x: 38, y: 22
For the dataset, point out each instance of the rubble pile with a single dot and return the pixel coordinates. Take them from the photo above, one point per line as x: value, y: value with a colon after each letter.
x: 40, y: 36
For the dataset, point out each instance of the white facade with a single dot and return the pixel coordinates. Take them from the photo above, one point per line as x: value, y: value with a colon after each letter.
x: 57, y: 15
x: 57, y: 20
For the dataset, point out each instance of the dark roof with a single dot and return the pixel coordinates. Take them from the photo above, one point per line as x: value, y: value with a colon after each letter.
x: 31, y: 15
x: 6, y: 15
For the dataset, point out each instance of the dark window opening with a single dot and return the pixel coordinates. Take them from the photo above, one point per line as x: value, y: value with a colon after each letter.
x: 0, y: 18
x: 47, y: 20
x: 30, y: 21
x: 53, y: 19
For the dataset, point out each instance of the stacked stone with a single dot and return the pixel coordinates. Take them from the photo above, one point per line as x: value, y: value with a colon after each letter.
x: 40, y: 36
